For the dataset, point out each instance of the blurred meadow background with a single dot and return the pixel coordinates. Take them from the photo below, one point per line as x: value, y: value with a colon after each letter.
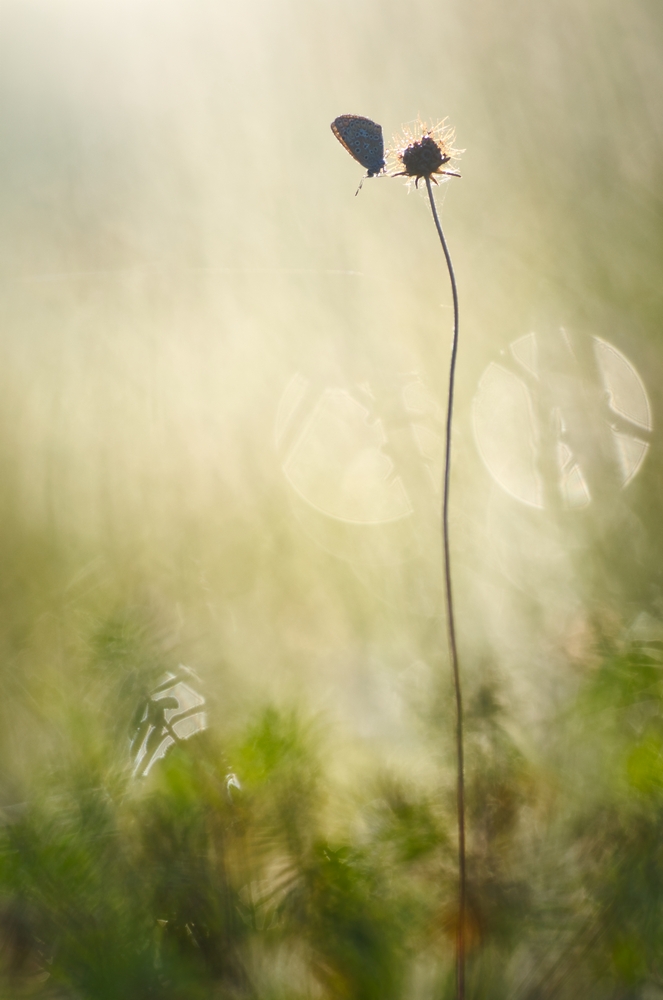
x: 222, y: 381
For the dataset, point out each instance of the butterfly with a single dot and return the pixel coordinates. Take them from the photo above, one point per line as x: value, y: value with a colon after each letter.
x: 363, y: 140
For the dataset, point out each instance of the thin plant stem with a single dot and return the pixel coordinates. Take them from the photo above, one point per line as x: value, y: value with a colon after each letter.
x: 451, y: 625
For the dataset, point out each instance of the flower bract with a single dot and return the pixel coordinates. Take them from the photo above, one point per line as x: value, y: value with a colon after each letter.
x: 424, y: 151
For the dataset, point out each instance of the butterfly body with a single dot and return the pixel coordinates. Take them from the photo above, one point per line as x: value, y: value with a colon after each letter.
x: 363, y: 140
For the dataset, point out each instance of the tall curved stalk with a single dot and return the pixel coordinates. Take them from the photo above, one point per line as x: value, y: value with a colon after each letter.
x: 451, y: 625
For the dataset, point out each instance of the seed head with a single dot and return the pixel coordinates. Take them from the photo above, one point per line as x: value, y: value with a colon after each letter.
x: 424, y: 150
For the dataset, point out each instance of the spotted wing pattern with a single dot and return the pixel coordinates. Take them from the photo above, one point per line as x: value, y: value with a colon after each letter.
x: 363, y: 140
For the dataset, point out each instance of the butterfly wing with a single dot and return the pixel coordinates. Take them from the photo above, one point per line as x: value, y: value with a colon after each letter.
x: 342, y: 126
x: 362, y: 138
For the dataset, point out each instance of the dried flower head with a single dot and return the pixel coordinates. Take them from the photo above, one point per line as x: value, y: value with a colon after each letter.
x: 424, y: 150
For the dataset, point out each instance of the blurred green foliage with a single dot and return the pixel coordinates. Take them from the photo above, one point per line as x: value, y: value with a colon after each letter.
x: 182, y: 884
